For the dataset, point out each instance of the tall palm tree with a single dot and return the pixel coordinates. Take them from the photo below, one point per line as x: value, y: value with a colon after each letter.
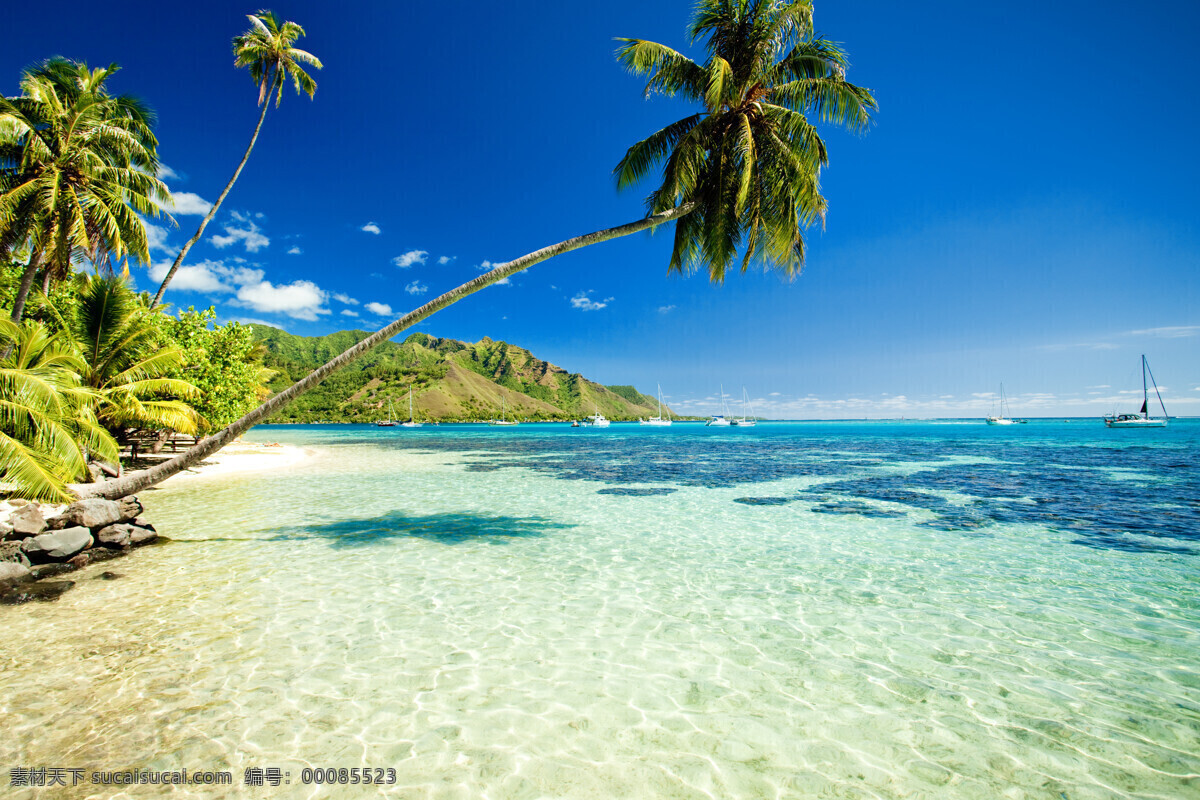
x: 77, y: 167
x: 740, y: 173
x: 124, y: 364
x: 267, y: 50
x: 47, y: 427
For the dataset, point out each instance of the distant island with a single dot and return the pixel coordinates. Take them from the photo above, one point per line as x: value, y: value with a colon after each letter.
x: 452, y: 381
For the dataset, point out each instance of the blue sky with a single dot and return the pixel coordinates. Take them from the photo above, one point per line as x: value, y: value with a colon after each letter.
x: 1024, y: 210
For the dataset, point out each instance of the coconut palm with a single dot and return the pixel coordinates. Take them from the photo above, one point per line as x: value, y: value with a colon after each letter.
x: 740, y: 173
x: 125, y: 364
x: 266, y: 49
x: 77, y: 168
x: 47, y: 427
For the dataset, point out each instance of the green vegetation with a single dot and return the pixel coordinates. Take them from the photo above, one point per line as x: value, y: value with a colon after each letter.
x: 450, y: 380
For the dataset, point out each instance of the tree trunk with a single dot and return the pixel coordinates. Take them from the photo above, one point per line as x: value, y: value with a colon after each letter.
x: 212, y: 212
x: 136, y: 481
x: 18, y: 311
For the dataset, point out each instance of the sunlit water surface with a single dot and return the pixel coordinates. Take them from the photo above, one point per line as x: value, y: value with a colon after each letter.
x: 798, y: 610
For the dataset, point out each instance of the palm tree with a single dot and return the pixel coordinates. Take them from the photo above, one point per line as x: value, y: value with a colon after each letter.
x: 742, y: 172
x: 267, y: 50
x: 77, y: 167
x: 124, y: 363
x: 47, y: 428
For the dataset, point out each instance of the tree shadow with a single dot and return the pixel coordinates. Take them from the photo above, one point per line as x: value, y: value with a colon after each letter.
x: 448, y: 529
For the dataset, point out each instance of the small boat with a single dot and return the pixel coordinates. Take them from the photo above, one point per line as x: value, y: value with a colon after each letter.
x: 718, y: 420
x: 1001, y: 420
x: 412, y: 422
x: 503, y: 417
x: 390, y: 422
x: 745, y: 422
x: 659, y: 419
x: 1142, y: 419
x: 596, y: 420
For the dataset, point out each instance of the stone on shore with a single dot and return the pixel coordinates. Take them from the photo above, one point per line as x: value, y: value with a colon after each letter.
x: 142, y: 533
x: 11, y: 572
x: 57, y: 546
x: 11, y: 551
x: 130, y: 508
x: 27, y: 521
x: 35, y: 590
x: 116, y: 536
x: 94, y: 556
x: 92, y: 513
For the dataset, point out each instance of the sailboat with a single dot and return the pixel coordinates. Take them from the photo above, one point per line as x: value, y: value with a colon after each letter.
x: 1001, y: 420
x: 659, y: 419
x: 746, y: 422
x: 718, y: 420
x: 412, y: 422
x: 503, y: 419
x: 390, y: 422
x: 1142, y: 419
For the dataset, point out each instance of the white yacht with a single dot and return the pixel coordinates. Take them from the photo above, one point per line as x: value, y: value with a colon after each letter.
x: 412, y: 421
x: 1142, y: 419
x: 1000, y: 420
x: 746, y: 422
x: 596, y: 420
x: 659, y: 420
x: 718, y: 420
x: 504, y: 420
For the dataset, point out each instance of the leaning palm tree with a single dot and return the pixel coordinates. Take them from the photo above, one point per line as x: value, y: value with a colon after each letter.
x: 740, y: 173
x: 77, y: 168
x: 47, y: 428
x: 124, y: 363
x: 267, y: 50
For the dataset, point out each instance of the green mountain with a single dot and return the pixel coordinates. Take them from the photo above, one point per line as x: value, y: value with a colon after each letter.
x: 451, y: 381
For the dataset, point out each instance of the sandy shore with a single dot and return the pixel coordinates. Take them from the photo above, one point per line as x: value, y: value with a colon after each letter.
x: 244, y: 458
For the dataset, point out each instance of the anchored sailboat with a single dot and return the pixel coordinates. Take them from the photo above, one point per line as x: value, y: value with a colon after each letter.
x: 750, y: 421
x: 718, y: 420
x: 503, y: 419
x: 390, y: 422
x: 1142, y: 419
x: 412, y: 421
x: 1001, y: 420
x: 659, y: 419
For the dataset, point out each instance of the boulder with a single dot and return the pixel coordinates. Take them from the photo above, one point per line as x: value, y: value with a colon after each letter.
x: 93, y: 556
x: 27, y: 521
x: 94, y: 513
x: 130, y: 508
x: 11, y: 572
x: 116, y: 536
x: 11, y: 551
x: 142, y: 534
x: 50, y: 570
x: 57, y: 546
x: 5, y: 530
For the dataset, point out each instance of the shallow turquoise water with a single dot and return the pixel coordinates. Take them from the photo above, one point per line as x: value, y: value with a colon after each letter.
x: 795, y: 610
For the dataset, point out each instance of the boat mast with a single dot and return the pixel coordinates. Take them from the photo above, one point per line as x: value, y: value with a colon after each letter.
x: 1157, y: 393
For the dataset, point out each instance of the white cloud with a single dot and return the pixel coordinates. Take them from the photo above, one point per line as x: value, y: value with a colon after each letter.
x: 345, y: 298
x: 382, y: 309
x: 444, y: 260
x: 207, y: 277
x: 156, y: 238
x: 299, y: 299
x: 295, y: 250
x: 249, y: 234
x: 411, y: 257
x: 666, y: 309
x: 1170, y: 332
x: 165, y: 173
x: 485, y: 265
x: 585, y: 303
x: 416, y: 288
x: 190, y: 203
x: 348, y: 313
x: 371, y: 227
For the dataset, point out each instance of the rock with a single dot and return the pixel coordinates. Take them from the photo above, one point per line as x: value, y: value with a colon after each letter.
x: 141, y: 523
x: 92, y: 513
x: 142, y: 534
x: 5, y: 530
x: 130, y: 508
x: 27, y: 521
x: 11, y: 572
x: 109, y: 576
x: 94, y: 556
x: 35, y: 590
x: 57, y: 546
x: 11, y: 551
x: 115, y: 536
x: 50, y: 570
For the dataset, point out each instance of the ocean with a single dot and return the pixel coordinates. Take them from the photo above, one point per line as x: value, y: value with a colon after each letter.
x: 935, y: 609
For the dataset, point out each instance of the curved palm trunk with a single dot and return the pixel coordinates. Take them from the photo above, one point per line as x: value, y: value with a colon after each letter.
x: 212, y: 212
x: 136, y: 481
x: 18, y: 311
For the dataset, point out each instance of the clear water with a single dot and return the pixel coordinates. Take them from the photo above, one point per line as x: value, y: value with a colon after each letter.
x: 796, y: 610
